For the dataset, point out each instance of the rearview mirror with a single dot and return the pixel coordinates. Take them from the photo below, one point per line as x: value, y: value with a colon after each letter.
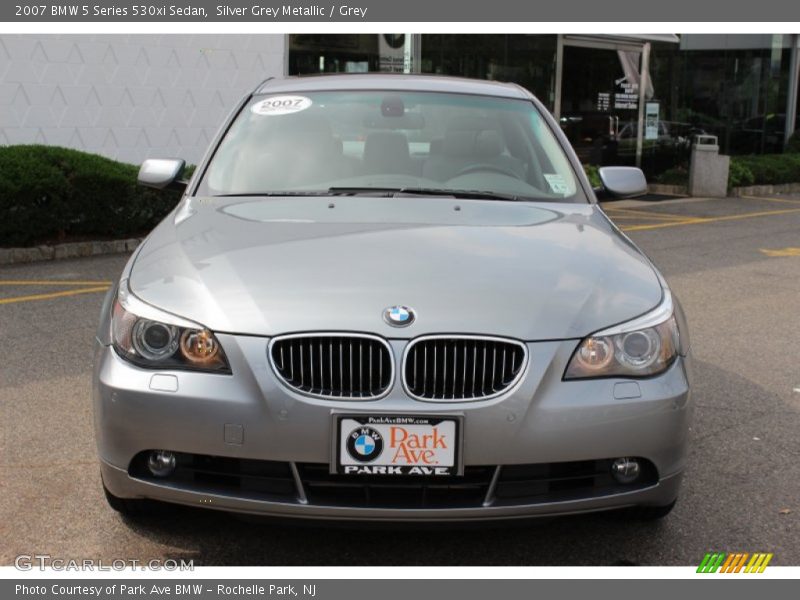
x: 623, y: 182
x: 161, y: 173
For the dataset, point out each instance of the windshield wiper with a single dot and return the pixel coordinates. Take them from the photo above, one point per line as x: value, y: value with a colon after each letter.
x: 277, y: 193
x: 387, y: 192
x: 466, y: 194
x: 420, y: 191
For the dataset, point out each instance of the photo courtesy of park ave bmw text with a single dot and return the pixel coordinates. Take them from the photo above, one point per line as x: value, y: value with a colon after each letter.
x: 383, y: 286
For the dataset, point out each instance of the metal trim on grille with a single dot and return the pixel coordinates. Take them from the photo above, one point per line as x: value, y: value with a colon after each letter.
x: 339, y: 334
x: 513, y: 383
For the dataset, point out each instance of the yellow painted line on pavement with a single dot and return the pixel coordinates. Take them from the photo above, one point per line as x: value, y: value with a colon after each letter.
x: 648, y: 214
x: 50, y: 282
x: 700, y: 220
x: 616, y: 217
x: 34, y: 297
x: 790, y: 251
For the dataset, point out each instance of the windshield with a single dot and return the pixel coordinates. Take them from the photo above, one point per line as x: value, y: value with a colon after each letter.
x: 391, y: 142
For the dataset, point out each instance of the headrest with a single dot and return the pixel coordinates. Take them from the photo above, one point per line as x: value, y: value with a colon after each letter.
x: 459, y: 143
x: 484, y: 143
x: 488, y: 144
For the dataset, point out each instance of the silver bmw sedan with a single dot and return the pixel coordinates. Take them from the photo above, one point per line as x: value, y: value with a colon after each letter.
x: 389, y: 297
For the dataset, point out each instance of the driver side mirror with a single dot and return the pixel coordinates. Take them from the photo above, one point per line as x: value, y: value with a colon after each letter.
x: 162, y: 173
x: 622, y: 182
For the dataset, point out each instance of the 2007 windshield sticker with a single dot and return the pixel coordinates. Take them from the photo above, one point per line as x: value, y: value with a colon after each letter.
x: 280, y: 105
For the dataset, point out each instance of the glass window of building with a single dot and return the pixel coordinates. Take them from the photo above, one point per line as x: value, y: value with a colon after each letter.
x: 528, y: 60
x: 351, y: 53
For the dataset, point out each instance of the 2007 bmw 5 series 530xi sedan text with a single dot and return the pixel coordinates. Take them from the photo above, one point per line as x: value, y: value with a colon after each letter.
x: 390, y: 297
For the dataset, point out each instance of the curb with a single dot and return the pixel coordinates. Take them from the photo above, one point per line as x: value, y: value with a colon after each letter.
x: 667, y: 190
x: 761, y: 190
x: 11, y: 256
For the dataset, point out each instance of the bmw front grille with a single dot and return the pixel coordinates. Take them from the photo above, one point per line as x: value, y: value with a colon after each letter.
x: 449, y: 368
x: 351, y: 366
x: 334, y: 365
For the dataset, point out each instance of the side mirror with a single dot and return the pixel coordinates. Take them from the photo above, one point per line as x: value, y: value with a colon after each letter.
x: 162, y: 173
x: 622, y: 182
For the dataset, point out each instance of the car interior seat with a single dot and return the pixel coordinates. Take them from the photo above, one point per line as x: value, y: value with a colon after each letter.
x: 292, y: 153
x: 466, y: 143
x: 387, y: 152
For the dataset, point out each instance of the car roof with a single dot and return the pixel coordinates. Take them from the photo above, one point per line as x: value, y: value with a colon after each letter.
x: 392, y: 81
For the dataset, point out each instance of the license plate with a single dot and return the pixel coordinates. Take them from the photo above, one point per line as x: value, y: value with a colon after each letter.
x: 398, y: 445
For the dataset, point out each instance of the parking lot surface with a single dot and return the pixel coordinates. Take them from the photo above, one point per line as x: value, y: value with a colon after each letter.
x: 734, y: 263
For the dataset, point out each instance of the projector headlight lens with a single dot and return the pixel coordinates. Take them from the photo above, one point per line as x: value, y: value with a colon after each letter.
x: 640, y: 353
x: 157, y: 345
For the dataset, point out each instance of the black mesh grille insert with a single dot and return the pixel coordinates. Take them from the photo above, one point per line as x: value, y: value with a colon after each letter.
x: 335, y: 366
x: 375, y: 491
x: 444, y: 368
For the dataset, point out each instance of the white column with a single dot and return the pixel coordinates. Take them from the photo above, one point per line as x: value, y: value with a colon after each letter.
x: 791, y: 97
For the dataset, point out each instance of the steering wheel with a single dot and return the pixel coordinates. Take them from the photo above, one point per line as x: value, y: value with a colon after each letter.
x: 477, y: 167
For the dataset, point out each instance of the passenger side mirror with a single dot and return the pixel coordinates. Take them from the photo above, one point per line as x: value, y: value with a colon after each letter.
x: 622, y: 182
x: 162, y: 173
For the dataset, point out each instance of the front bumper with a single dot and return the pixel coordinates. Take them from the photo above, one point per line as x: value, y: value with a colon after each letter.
x: 541, y: 420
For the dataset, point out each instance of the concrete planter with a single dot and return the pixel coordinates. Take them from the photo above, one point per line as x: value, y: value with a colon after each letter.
x: 9, y: 256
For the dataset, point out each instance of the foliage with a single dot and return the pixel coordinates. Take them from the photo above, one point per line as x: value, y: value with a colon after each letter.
x: 764, y: 169
x: 48, y: 193
x: 593, y: 175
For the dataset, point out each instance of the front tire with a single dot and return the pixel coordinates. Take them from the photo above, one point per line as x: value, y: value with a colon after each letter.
x: 132, y: 507
x: 652, y: 513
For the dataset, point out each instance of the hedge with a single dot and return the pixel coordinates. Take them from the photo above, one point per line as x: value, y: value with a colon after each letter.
x: 764, y: 169
x: 793, y: 145
x: 675, y: 176
x: 593, y: 174
x: 50, y: 194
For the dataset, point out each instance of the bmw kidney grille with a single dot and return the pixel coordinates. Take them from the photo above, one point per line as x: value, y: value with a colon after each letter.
x: 462, y: 368
x: 344, y: 366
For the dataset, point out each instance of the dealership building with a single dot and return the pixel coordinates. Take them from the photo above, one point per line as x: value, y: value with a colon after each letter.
x: 621, y: 99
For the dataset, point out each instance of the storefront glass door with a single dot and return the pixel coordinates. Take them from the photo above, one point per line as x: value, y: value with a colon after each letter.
x: 599, y: 109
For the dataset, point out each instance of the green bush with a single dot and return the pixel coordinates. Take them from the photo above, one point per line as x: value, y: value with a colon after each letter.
x: 49, y: 193
x: 675, y: 176
x: 593, y: 175
x: 764, y: 169
x: 739, y: 174
x: 793, y: 145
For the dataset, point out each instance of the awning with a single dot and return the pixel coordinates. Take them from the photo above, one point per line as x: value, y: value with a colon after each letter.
x: 620, y: 39
x: 669, y: 38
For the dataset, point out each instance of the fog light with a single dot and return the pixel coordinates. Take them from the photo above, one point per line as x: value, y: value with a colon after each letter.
x: 161, y: 463
x: 625, y: 470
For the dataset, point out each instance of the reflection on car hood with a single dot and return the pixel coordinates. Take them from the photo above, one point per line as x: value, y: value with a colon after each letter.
x: 276, y: 265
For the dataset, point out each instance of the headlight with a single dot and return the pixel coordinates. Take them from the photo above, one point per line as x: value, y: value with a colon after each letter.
x: 147, y: 340
x: 640, y: 348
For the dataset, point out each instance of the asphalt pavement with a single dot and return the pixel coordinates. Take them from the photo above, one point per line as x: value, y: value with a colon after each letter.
x: 734, y: 263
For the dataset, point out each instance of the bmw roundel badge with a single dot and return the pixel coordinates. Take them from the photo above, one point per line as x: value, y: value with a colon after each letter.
x: 398, y: 316
x: 364, y: 444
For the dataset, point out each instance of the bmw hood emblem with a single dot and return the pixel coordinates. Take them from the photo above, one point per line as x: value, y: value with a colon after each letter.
x: 398, y: 316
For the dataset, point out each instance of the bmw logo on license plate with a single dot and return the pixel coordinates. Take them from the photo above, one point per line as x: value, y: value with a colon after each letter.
x: 364, y: 444
x: 398, y: 316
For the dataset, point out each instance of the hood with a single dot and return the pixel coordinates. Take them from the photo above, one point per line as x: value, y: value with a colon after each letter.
x: 267, y: 266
